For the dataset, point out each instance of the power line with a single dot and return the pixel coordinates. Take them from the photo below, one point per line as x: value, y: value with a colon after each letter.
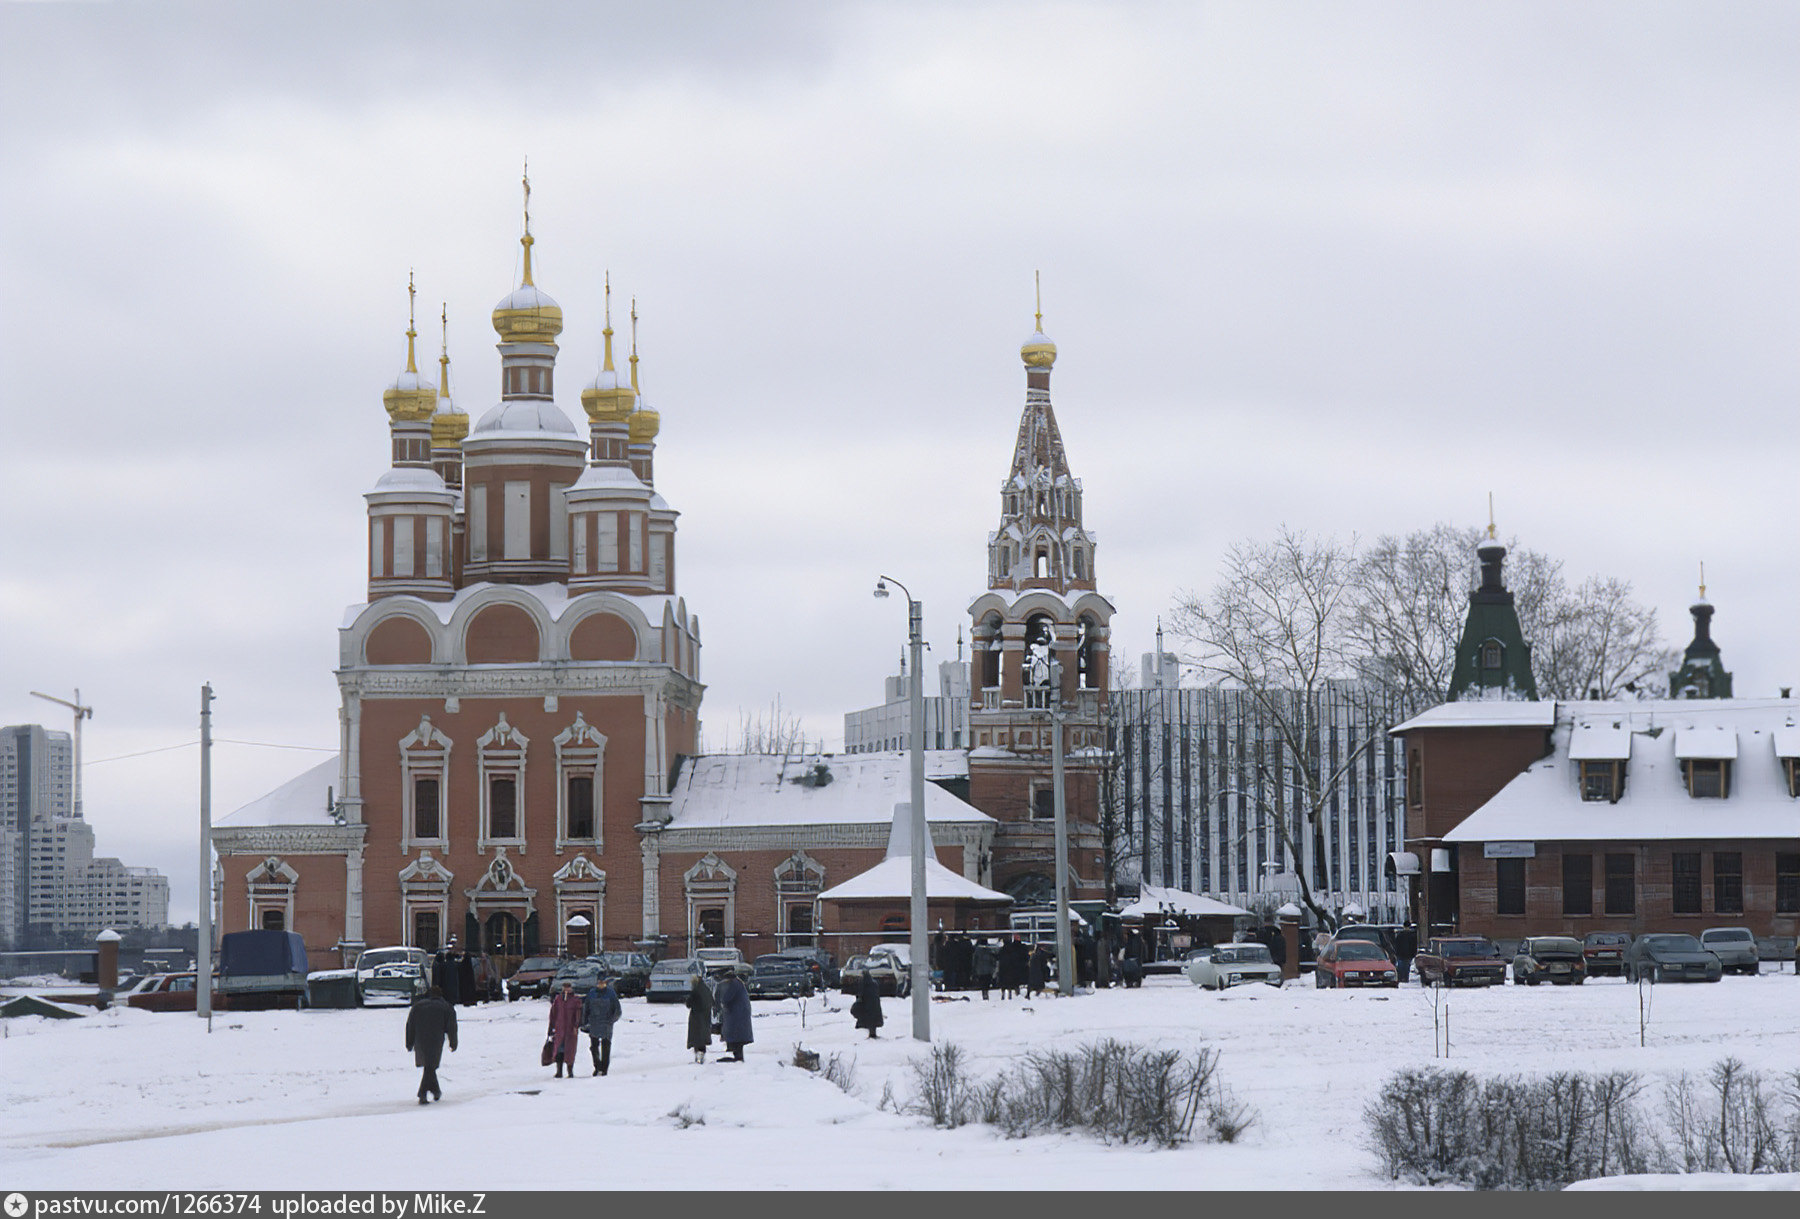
x: 273, y: 745
x: 143, y: 753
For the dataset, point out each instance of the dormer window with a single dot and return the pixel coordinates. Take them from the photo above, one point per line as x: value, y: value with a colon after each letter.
x: 1493, y: 656
x: 1708, y: 778
x: 1601, y: 781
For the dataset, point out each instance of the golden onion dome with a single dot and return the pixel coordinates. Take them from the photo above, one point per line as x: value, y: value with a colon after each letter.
x: 411, y: 398
x: 449, y: 423
x: 1038, y: 351
x: 607, y: 399
x: 645, y: 423
x: 528, y: 315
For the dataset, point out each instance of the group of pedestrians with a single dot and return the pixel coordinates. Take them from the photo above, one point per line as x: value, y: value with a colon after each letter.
x: 731, y: 1000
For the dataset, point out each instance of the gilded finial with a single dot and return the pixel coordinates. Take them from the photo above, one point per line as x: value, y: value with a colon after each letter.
x: 526, y: 239
x: 1492, y: 533
x: 1702, y: 579
x: 608, y: 332
x: 411, y: 333
x: 1037, y: 278
x: 634, y: 358
x: 444, y: 353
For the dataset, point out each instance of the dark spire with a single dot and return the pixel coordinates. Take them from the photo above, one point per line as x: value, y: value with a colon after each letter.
x: 1701, y: 674
x: 1492, y: 654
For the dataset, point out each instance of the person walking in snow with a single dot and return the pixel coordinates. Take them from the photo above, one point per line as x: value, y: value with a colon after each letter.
x: 1013, y: 967
x: 565, y: 1028
x: 987, y: 965
x: 699, y: 1005
x: 445, y: 972
x: 600, y: 1010
x: 734, y: 1016
x: 1037, y: 972
x: 867, y: 1008
x: 430, y: 1023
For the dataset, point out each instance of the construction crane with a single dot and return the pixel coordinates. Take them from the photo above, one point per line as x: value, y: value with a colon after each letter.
x: 81, y: 713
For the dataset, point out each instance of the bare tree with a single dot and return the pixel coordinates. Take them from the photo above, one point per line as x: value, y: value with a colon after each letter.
x: 1279, y: 624
x: 1412, y: 595
x: 1596, y: 640
x: 772, y: 732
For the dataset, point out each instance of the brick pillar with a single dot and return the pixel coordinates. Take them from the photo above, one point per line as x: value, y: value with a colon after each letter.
x: 1289, y: 918
x: 106, y: 968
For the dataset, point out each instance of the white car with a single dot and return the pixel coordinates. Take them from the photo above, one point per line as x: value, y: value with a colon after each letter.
x: 395, y: 974
x: 1230, y: 965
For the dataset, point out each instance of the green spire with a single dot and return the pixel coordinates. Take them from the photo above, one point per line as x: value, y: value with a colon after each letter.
x: 1701, y: 674
x: 1492, y: 654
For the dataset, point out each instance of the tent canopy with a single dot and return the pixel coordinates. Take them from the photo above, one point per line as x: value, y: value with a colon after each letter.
x: 1155, y: 900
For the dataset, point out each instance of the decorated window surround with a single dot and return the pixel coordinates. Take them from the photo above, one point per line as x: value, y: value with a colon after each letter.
x: 425, y: 886
x: 501, y: 751
x: 798, y: 878
x: 424, y: 754
x: 710, y: 882
x: 581, y: 887
x: 580, y: 751
x: 271, y: 887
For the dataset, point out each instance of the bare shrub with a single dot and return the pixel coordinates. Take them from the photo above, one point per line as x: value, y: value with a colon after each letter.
x: 944, y: 1089
x: 1738, y: 1122
x: 839, y: 1071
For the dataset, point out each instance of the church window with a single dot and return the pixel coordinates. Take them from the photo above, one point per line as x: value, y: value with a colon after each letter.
x: 503, y: 806
x: 505, y: 935
x: 378, y: 548
x: 502, y: 752
x: 1043, y: 804
x: 424, y: 760
x: 1041, y: 565
x: 659, y: 560
x: 1080, y: 564
x: 559, y: 522
x: 434, y: 548
x: 403, y: 546
x: 609, y: 541
x: 580, y: 753
x: 634, y: 536
x: 517, y: 523
x: 579, y: 539
x: 427, y: 807
x: 274, y: 920
x: 1493, y: 656
x: 427, y: 930
x: 478, y: 533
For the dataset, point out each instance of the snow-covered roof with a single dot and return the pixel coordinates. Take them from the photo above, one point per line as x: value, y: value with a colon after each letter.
x: 618, y: 479
x: 1707, y: 741
x: 734, y: 790
x: 1543, y: 803
x: 522, y: 415
x: 1483, y: 713
x: 1787, y: 741
x: 526, y: 296
x: 1153, y: 899
x: 304, y: 799
x: 891, y: 879
x: 411, y: 478
x: 1599, y: 741
x: 555, y: 598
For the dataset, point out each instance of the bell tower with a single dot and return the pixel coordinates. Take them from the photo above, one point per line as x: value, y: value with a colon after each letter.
x: 1041, y: 658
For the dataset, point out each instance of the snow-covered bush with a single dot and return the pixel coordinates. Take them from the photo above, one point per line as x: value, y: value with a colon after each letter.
x: 1738, y: 1121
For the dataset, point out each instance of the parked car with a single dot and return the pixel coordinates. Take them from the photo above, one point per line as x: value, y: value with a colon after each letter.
x: 1549, y: 958
x: 1354, y: 962
x: 1735, y: 947
x: 1604, y: 952
x: 1460, y: 960
x: 262, y: 969
x: 170, y: 992
x: 397, y: 975
x: 712, y: 959
x: 821, y: 964
x: 580, y: 974
x: 1670, y: 957
x: 670, y: 980
x: 630, y: 971
x: 532, y: 978
x: 1230, y: 965
x: 779, y: 977
x: 891, y: 976
x: 1374, y: 933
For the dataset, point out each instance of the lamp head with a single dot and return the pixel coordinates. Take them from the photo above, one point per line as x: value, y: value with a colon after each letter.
x: 881, y: 588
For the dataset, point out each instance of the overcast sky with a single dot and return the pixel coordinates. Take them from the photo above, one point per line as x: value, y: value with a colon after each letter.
x: 1347, y: 266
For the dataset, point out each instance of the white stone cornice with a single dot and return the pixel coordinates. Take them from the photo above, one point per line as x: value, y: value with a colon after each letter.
x: 566, y: 679
x: 871, y: 835
x: 288, y: 839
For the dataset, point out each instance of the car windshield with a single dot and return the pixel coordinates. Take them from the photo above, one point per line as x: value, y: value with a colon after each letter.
x: 778, y: 965
x: 1199, y: 954
x: 1468, y: 948
x: 1553, y: 944
x: 1606, y: 939
x: 1244, y: 954
x: 857, y: 963
x: 676, y: 965
x: 384, y: 956
x: 1672, y: 943
x: 540, y: 963
x: 1727, y: 935
x: 1358, y: 950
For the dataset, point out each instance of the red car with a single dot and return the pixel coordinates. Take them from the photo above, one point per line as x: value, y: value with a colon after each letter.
x: 169, y: 993
x: 1460, y: 960
x: 1604, y: 952
x: 1354, y: 962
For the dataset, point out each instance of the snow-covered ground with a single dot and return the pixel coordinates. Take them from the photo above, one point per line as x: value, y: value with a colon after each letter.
x: 325, y: 1099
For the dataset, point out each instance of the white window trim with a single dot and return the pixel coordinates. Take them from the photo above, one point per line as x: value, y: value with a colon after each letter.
x: 580, y: 885
x: 425, y: 885
x: 424, y: 754
x: 710, y: 882
x: 580, y: 749
x: 502, y: 751
x: 798, y: 878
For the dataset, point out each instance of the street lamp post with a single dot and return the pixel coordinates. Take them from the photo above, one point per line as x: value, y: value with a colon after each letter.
x: 921, y: 962
x: 1065, y: 946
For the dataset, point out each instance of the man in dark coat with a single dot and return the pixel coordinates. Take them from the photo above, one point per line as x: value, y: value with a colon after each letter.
x: 987, y: 964
x: 430, y: 1023
x: 1406, y: 947
x: 1013, y: 963
x: 699, y: 1005
x: 1037, y: 972
x: 867, y: 1008
x: 733, y: 999
x: 600, y: 1010
x: 465, y: 979
x: 445, y: 972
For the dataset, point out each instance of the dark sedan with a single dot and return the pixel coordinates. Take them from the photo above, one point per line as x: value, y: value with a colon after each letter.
x: 532, y: 978
x: 1460, y: 960
x: 1670, y: 957
x: 630, y: 971
x: 779, y: 977
x: 1549, y: 958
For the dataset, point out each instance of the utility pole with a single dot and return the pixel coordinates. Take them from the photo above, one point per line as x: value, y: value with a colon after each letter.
x: 1065, y: 945
x: 81, y: 713
x: 203, y: 961
x: 919, y: 947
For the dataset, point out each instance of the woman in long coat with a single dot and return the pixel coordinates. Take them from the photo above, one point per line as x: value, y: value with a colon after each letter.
x: 1012, y: 967
x: 1037, y: 972
x: 867, y: 1008
x: 734, y: 1019
x: 565, y: 1028
x: 699, y: 1005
